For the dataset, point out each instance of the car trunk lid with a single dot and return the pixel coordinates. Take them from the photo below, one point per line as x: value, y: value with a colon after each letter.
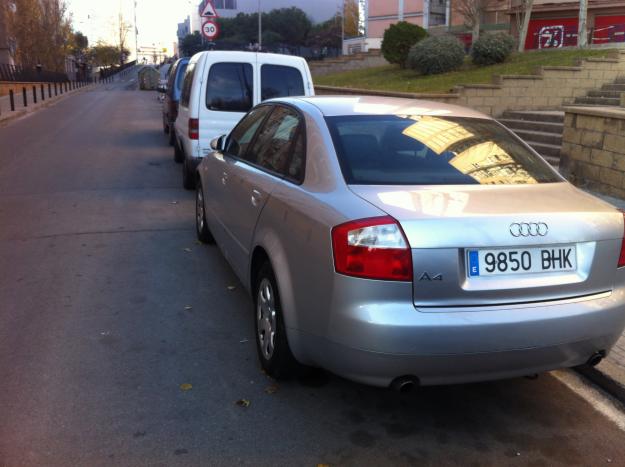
x: 444, y: 224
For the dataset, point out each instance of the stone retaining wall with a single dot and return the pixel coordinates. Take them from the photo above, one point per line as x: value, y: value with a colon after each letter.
x: 550, y: 88
x: 593, y: 149
x: 343, y: 63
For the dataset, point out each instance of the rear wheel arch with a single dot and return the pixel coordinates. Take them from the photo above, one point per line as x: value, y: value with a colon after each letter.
x: 272, y: 252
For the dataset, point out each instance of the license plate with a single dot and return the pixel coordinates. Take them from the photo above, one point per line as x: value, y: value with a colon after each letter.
x: 490, y: 262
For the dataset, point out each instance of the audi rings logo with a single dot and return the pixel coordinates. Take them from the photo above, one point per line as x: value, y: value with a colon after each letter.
x: 529, y: 229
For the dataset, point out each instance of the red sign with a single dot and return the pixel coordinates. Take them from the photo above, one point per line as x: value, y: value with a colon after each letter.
x: 210, y: 30
x: 551, y: 33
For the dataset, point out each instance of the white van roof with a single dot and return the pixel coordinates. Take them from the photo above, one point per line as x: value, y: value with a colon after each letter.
x: 230, y: 55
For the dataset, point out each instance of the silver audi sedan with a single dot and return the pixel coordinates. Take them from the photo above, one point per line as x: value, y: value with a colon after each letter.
x: 400, y: 242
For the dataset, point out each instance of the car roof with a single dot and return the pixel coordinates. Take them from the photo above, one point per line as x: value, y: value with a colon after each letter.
x: 248, y: 56
x: 333, y: 106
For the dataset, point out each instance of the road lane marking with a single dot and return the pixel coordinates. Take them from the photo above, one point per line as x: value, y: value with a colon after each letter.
x: 602, y: 402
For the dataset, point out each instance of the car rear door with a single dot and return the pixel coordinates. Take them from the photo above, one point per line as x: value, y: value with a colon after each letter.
x: 228, y: 95
x: 279, y: 80
x: 251, y: 180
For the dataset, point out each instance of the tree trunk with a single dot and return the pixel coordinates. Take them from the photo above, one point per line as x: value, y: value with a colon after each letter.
x: 582, y: 34
x: 526, y: 22
x: 475, y: 32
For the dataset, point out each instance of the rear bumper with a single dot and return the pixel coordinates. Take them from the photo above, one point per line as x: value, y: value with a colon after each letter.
x: 377, y: 342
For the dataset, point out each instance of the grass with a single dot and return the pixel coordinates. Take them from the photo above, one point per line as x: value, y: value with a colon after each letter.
x: 393, y: 78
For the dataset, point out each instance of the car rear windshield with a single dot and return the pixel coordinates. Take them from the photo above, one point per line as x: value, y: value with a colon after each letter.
x: 432, y: 150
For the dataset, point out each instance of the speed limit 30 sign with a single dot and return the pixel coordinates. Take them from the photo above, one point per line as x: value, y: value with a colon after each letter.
x: 210, y: 30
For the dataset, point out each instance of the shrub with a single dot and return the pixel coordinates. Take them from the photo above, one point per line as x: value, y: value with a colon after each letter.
x: 435, y: 55
x: 398, y: 39
x: 492, y: 48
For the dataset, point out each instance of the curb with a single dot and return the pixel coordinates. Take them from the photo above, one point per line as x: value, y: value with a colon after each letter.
x: 607, y: 376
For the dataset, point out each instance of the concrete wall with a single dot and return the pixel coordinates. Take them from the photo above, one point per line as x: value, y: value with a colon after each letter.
x: 593, y: 149
x: 347, y: 63
x: 549, y: 88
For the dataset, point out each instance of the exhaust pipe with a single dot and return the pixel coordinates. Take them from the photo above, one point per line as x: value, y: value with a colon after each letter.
x: 596, y: 358
x: 404, y: 384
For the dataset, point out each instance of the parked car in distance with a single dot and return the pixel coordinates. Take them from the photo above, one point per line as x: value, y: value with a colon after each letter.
x: 220, y: 87
x: 400, y: 242
x: 171, y: 93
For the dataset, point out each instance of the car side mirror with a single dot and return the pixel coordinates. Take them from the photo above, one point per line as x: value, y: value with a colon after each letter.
x: 217, y: 143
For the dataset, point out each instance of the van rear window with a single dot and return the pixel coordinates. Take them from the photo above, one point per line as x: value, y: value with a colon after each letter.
x: 429, y: 150
x: 280, y: 81
x: 229, y: 87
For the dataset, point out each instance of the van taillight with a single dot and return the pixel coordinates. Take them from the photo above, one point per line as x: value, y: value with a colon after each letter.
x: 194, y: 128
x: 372, y: 248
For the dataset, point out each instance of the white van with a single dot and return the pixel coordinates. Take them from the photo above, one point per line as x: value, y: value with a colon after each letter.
x: 220, y: 87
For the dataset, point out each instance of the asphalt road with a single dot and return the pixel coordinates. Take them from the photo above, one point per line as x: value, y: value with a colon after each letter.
x: 108, y: 305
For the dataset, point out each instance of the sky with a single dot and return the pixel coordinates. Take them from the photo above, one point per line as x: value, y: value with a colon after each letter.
x: 157, y: 19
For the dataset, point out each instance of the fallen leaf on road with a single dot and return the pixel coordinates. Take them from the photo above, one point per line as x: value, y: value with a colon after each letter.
x: 323, y: 465
x: 271, y: 389
x: 232, y: 287
x: 188, y: 307
x: 187, y: 250
x: 174, y: 202
x: 243, y: 341
x: 186, y: 386
x: 243, y: 403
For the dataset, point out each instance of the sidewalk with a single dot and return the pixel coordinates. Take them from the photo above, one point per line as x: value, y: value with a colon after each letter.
x: 610, y: 373
x: 20, y: 110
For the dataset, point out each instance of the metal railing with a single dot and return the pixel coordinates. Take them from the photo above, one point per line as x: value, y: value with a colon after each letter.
x: 29, y: 74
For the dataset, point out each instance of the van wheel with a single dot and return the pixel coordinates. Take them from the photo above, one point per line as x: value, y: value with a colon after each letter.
x: 272, y: 345
x: 172, y: 137
x: 188, y: 177
x: 178, y: 154
x: 201, y: 228
x: 165, y: 128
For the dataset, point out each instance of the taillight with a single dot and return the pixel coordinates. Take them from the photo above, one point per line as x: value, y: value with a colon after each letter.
x: 194, y: 128
x: 621, y: 258
x: 373, y: 248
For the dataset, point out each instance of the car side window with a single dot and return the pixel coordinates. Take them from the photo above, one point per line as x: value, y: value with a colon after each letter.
x: 275, y: 143
x: 186, y: 85
x: 242, y: 135
x: 280, y: 81
x: 229, y: 87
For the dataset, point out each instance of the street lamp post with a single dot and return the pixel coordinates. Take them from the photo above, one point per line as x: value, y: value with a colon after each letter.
x: 260, y: 27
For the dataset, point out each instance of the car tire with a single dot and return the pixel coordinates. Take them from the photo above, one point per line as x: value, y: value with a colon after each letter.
x: 188, y: 176
x: 178, y: 154
x: 172, y: 137
x: 272, y: 345
x: 201, y: 227
x: 165, y: 128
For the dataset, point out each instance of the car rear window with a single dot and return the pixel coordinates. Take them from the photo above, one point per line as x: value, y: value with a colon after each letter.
x: 229, y: 87
x: 432, y: 150
x: 280, y: 81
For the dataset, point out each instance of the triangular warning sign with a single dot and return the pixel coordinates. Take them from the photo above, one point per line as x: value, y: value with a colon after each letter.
x: 209, y: 10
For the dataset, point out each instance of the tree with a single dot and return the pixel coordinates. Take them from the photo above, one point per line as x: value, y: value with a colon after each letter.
x: 191, y: 44
x: 472, y: 11
x: 326, y: 34
x: 41, y: 31
x: 526, y: 8
x: 398, y: 39
x: 351, y: 20
x: 122, y: 32
x: 103, y: 54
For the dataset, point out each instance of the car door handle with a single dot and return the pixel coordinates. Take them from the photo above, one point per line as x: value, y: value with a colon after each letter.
x: 255, y: 198
x: 224, y: 178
